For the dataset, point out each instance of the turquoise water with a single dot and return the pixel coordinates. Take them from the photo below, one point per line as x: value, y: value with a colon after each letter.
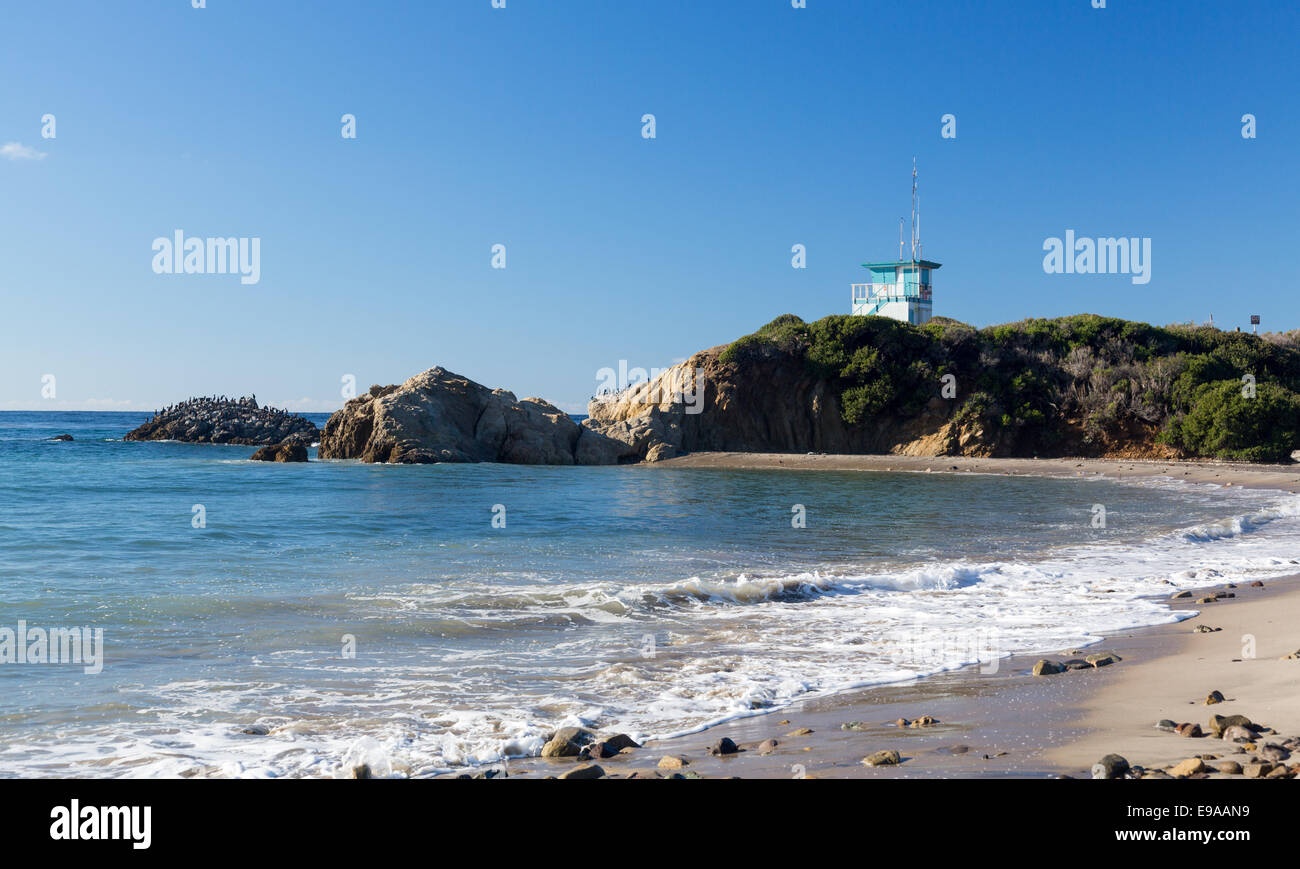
x: 641, y: 599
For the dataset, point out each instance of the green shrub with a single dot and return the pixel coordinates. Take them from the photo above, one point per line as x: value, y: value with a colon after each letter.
x: 1228, y: 425
x: 1031, y: 377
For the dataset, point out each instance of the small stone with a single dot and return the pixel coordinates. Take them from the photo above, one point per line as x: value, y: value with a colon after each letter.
x: 1110, y: 767
x: 1166, y: 725
x: 1258, y: 770
x: 1179, y: 595
x: 723, y: 746
x: 888, y: 757
x: 1076, y: 664
x: 802, y: 731
x: 1192, y: 731
x: 924, y: 721
x: 1206, y: 629
x: 621, y: 741
x: 584, y: 772
x: 1257, y: 584
x: 1274, y: 752
x: 1047, y: 668
x: 855, y: 725
x: 1293, y: 656
x: 767, y: 746
x: 1213, y: 698
x: 1218, y: 723
x: 567, y: 742
x: 255, y: 730
x: 1230, y: 767
x: 1191, y: 766
x: 1237, y: 733
x: 1103, y: 659
x: 1205, y: 600
x: 670, y: 761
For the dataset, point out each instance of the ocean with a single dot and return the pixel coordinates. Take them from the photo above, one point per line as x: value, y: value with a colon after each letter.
x: 431, y: 618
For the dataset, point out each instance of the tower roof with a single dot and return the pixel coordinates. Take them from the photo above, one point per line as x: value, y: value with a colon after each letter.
x: 925, y: 263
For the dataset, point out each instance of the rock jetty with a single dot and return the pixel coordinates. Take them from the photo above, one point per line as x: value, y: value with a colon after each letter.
x: 439, y: 416
x: 222, y: 420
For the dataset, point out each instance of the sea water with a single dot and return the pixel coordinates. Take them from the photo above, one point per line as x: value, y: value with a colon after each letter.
x: 296, y: 619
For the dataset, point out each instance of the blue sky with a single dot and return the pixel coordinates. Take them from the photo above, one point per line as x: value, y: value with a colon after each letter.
x: 522, y: 126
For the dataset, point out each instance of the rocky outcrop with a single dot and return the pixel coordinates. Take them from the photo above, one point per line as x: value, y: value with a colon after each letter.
x: 773, y: 403
x: 226, y: 421
x: 289, y: 451
x: 440, y: 416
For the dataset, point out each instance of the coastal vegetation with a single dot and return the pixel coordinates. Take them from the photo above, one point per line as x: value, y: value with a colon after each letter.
x: 1053, y: 386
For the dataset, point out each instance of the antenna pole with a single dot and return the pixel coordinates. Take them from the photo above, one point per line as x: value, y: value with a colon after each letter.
x: 914, y: 209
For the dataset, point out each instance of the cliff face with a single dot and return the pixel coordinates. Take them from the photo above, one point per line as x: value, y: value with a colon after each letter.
x: 770, y: 402
x: 1078, y: 386
x: 438, y: 416
x: 226, y: 421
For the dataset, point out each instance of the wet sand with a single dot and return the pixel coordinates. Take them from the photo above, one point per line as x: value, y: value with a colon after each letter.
x: 1284, y: 477
x: 1008, y: 722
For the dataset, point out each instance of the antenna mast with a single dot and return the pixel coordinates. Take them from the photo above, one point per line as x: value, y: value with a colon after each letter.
x: 913, y: 209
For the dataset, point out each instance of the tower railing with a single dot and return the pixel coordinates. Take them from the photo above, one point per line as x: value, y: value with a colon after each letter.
x: 893, y: 292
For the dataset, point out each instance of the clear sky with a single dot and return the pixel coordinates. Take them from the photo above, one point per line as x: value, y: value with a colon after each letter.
x: 522, y: 126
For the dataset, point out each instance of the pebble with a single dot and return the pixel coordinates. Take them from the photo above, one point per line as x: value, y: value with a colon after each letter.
x: 723, y: 746
x: 1274, y: 752
x: 888, y: 757
x: 1237, y: 733
x: 1110, y: 767
x: 1103, y: 659
x: 671, y: 761
x: 584, y: 772
x: 1213, y: 698
x: 1191, y: 766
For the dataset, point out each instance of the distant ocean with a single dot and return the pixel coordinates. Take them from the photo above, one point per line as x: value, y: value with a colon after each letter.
x: 644, y: 600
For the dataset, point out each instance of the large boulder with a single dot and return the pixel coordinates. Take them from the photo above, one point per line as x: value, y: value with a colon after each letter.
x: 289, y: 451
x: 440, y: 416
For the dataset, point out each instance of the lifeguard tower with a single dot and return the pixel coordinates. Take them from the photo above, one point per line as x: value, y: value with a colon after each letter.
x: 900, y: 289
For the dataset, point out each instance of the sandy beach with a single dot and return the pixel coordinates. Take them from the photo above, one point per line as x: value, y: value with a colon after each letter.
x: 1003, y: 721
